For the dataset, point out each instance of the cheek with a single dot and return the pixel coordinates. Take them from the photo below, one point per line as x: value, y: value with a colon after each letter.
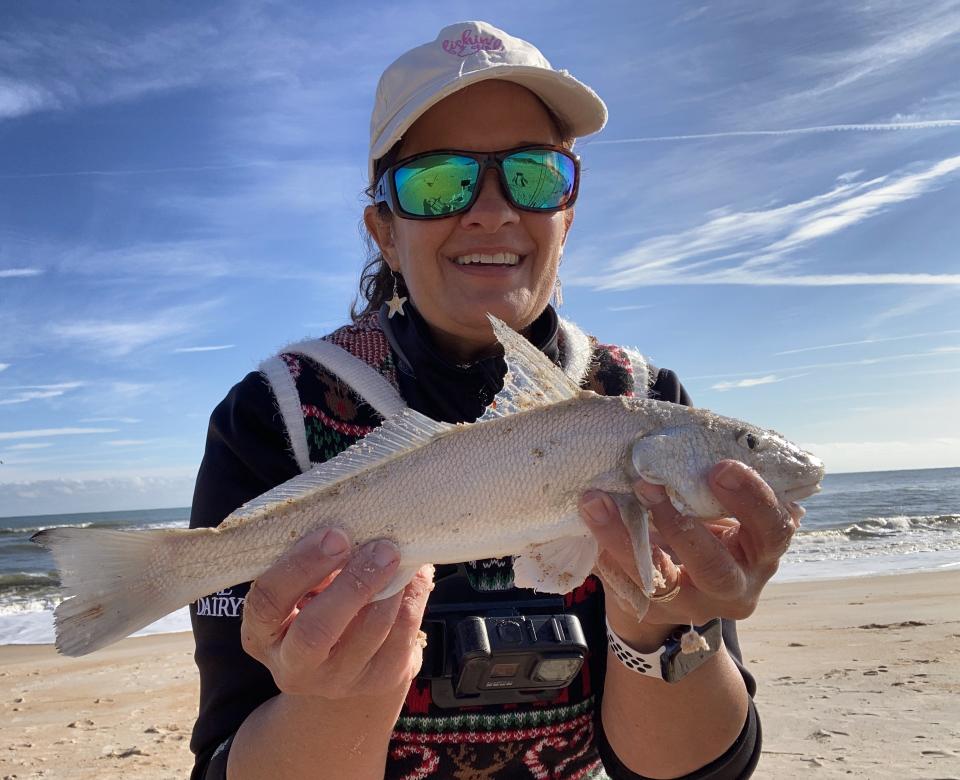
x: 417, y: 246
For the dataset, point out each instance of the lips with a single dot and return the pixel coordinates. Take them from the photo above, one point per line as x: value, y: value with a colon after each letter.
x: 801, y: 491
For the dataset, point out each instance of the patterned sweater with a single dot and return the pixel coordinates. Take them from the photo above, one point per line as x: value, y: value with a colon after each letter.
x: 250, y: 449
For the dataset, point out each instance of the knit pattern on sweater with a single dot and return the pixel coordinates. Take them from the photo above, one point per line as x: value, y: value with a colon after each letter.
x: 544, y: 740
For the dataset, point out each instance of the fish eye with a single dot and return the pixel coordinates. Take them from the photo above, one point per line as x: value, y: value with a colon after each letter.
x: 748, y: 439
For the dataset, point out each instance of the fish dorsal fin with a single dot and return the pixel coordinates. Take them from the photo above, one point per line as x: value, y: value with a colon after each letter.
x: 532, y: 380
x: 400, y: 434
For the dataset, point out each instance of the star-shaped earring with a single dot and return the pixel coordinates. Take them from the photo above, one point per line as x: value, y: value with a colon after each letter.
x: 396, y: 302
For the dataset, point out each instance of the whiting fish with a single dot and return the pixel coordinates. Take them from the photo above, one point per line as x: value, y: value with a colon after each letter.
x: 508, y: 484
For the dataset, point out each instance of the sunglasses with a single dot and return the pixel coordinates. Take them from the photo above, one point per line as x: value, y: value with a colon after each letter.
x: 439, y: 184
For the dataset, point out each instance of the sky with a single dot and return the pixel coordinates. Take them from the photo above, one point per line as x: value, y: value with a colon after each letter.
x: 771, y: 212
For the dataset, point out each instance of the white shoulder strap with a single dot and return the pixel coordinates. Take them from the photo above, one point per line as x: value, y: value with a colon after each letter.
x: 288, y: 402
x: 364, y: 380
x: 360, y: 377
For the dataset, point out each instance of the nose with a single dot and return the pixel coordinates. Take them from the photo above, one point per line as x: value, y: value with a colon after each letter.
x: 491, y: 210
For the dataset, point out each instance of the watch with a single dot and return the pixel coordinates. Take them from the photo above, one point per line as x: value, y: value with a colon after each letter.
x: 669, y: 662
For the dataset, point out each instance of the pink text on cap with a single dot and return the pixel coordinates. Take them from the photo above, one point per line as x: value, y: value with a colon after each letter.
x: 470, y: 43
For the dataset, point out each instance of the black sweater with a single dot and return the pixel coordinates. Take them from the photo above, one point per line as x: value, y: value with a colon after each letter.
x: 247, y: 454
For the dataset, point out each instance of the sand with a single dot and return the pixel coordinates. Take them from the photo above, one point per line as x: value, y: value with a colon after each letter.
x: 857, y: 678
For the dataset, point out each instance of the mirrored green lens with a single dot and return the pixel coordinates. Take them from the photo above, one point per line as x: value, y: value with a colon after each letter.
x: 437, y: 184
x: 540, y: 178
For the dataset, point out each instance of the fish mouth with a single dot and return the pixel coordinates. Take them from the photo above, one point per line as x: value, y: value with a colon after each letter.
x: 802, y: 491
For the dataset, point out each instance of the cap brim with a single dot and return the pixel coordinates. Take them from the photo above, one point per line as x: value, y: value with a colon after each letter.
x: 573, y: 101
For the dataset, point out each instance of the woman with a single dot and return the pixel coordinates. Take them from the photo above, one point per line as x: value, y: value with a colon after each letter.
x: 315, y: 680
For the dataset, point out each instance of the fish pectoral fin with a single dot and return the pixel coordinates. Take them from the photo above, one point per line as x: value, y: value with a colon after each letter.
x: 623, y: 587
x: 400, y: 580
x: 557, y: 566
x: 637, y: 521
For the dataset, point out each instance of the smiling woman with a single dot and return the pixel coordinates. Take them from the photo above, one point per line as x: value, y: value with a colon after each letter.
x: 473, y: 184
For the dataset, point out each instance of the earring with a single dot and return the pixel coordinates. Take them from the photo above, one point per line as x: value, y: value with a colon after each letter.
x: 557, y: 292
x: 396, y: 302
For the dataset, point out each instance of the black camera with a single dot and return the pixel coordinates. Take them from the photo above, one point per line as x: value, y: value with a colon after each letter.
x: 495, y: 652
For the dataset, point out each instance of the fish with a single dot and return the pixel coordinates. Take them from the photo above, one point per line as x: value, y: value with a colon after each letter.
x: 508, y: 484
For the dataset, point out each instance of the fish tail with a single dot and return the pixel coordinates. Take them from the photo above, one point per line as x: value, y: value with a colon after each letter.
x: 116, y: 582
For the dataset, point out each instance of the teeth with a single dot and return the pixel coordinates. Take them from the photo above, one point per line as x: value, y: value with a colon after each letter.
x: 500, y: 258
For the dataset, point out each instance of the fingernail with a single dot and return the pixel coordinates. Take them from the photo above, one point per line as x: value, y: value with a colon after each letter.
x: 730, y: 476
x: 383, y: 553
x: 647, y: 494
x: 334, y: 543
x: 594, y: 510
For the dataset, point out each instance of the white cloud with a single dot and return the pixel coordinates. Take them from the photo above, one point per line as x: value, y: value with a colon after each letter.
x: 38, y: 433
x: 756, y: 246
x: 15, y: 273
x: 18, y: 98
x: 867, y: 341
x: 164, y: 488
x: 204, y: 349
x: 36, y: 392
x: 850, y: 175
x: 110, y: 419
x: 907, y: 305
x: 843, y: 456
x: 117, y: 338
x: 838, y: 364
x: 929, y: 124
x: 28, y: 446
x: 30, y: 395
x: 769, y: 379
x: 4, y: 366
x: 126, y: 442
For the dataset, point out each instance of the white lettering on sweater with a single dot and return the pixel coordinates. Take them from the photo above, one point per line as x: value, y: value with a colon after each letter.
x: 220, y: 604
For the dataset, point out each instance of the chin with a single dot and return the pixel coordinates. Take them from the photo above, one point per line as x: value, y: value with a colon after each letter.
x: 516, y: 316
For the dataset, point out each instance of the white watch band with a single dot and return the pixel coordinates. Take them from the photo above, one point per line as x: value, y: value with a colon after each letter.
x: 647, y: 664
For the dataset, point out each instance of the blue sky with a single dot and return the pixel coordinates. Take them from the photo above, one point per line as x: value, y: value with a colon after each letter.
x: 771, y: 212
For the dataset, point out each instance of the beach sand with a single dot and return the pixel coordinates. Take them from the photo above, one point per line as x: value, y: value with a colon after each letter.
x: 857, y: 678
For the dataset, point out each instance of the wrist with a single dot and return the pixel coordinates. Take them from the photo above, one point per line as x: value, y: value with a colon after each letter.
x: 641, y: 635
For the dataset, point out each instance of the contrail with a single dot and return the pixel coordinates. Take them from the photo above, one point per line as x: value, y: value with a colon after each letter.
x: 148, y: 171
x: 932, y: 124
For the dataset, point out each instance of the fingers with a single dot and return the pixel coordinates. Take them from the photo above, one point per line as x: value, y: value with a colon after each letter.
x: 602, y: 515
x: 707, y: 562
x: 400, y: 655
x: 321, y: 623
x: 766, y: 526
x: 273, y: 596
x: 604, y: 520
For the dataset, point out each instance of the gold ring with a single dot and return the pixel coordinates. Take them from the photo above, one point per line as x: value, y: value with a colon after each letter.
x: 669, y: 595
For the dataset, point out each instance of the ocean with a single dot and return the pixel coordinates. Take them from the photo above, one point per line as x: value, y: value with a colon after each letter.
x: 882, y: 522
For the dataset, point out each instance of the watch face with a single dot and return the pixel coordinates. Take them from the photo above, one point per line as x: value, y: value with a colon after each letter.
x: 677, y: 665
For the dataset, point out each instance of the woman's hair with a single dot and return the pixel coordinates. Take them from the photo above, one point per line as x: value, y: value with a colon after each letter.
x: 376, y: 278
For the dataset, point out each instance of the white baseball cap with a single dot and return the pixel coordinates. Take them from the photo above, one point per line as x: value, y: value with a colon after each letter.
x: 463, y: 54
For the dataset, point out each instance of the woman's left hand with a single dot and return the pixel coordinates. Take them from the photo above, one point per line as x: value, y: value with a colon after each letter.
x: 721, y: 564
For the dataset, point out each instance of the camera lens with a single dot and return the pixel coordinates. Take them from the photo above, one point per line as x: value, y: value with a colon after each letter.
x: 503, y: 670
x: 510, y: 631
x: 555, y: 670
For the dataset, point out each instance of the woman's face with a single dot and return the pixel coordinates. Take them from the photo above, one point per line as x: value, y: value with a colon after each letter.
x: 453, y: 297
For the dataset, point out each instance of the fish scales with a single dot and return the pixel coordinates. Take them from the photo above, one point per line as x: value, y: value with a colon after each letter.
x: 508, y: 484
x: 481, y: 491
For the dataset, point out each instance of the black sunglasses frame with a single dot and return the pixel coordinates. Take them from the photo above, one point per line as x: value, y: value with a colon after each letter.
x: 386, y: 189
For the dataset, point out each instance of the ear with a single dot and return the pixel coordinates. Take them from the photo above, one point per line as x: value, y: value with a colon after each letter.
x: 381, y: 230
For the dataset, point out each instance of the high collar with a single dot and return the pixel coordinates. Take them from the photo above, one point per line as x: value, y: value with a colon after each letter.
x: 447, y: 391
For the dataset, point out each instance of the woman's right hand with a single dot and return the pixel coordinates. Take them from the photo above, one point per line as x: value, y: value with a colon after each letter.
x: 310, y: 620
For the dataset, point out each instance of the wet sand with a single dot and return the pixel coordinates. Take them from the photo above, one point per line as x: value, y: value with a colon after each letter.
x: 857, y: 678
